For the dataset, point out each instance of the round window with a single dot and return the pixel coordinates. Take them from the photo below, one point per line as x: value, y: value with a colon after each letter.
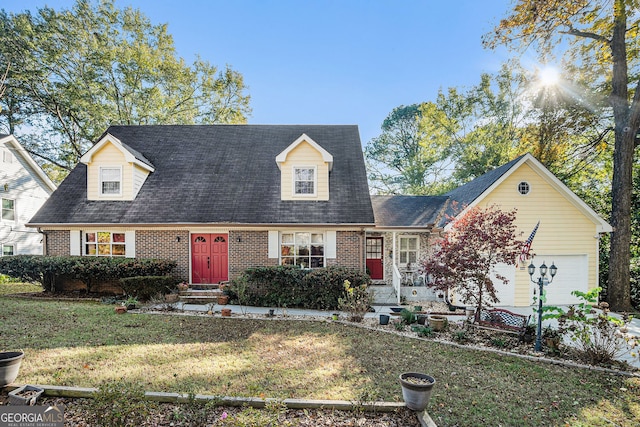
x: 524, y: 188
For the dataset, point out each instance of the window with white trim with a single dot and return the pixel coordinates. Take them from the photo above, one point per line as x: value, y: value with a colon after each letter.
x: 104, y: 243
x: 8, y: 250
x: 8, y: 209
x: 524, y: 188
x: 408, y: 253
x: 303, y: 249
x: 110, y: 181
x: 7, y: 157
x: 304, y: 181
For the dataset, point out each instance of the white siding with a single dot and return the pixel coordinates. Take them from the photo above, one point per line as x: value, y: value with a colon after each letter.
x: 18, y: 182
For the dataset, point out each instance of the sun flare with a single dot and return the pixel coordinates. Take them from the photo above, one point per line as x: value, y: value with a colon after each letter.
x: 549, y: 76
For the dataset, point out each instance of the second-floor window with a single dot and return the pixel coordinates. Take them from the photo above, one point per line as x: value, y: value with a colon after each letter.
x: 304, y: 181
x: 110, y: 181
x: 8, y: 209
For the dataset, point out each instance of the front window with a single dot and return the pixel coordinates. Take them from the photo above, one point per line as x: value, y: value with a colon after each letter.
x: 408, y: 250
x: 104, y: 243
x: 8, y: 209
x: 305, y: 250
x: 8, y: 250
x: 304, y: 181
x: 110, y: 181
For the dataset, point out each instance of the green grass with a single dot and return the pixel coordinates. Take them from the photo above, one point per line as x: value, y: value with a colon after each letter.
x: 83, y: 344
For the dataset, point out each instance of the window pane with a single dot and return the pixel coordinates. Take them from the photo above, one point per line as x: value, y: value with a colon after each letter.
x: 118, y: 237
x: 104, y: 237
x: 287, y: 261
x: 317, y: 262
x: 8, y: 211
x: 104, y: 249
x: 287, y: 238
x: 317, y: 238
x: 118, y: 250
x: 286, y: 250
x: 90, y: 249
x: 412, y: 257
x: 403, y: 257
x: 7, y: 250
x: 317, y: 250
x: 413, y: 244
x: 110, y: 187
x: 90, y: 237
x: 303, y: 187
x: 403, y: 244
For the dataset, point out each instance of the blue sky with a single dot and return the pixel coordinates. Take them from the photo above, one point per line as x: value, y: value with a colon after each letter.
x: 333, y: 61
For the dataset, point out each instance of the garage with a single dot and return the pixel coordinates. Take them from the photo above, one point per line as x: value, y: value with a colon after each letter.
x: 572, y: 275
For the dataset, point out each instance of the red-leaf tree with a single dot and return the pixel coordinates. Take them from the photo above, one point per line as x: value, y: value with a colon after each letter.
x: 465, y: 258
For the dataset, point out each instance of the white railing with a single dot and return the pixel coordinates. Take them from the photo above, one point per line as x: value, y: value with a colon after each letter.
x: 397, y: 281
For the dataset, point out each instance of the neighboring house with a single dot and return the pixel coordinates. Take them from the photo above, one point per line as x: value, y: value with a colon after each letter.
x: 568, y: 235
x: 218, y: 199
x: 24, y: 187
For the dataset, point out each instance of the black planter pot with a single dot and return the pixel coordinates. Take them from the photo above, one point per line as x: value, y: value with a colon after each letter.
x: 9, y: 365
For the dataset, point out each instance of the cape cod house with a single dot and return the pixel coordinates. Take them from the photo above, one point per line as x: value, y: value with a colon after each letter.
x: 24, y: 187
x: 218, y: 199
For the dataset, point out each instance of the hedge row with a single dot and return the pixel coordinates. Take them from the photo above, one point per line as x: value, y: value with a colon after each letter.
x: 145, y: 287
x: 89, y: 270
x: 288, y: 286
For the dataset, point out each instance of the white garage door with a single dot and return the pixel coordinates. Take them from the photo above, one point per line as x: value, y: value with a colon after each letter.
x: 505, y: 293
x: 572, y: 275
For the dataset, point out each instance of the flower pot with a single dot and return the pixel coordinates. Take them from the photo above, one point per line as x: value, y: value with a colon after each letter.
x: 384, y: 319
x: 9, y: 366
x: 470, y: 311
x: 437, y: 322
x: 416, y: 389
x: 120, y: 309
x: 223, y: 299
x: 272, y: 312
x: 422, y: 319
x: 226, y: 312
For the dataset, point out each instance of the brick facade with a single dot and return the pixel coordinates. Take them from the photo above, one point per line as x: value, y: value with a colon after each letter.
x: 57, y: 242
x: 165, y: 244
x: 349, y: 250
x: 248, y: 249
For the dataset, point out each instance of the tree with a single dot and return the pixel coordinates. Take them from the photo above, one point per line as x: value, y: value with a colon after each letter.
x: 75, y: 72
x: 606, y: 36
x: 466, y: 257
x: 399, y: 160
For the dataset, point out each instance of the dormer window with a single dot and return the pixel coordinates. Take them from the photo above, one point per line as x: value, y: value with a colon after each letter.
x: 110, y: 181
x: 304, y: 181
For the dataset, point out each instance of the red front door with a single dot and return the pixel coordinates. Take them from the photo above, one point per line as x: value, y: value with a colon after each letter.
x: 209, y: 258
x: 375, y: 258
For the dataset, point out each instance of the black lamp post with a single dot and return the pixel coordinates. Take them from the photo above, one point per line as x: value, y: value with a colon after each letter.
x: 541, y: 282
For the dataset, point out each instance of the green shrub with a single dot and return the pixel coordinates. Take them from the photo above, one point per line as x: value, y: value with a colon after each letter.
x: 290, y: 286
x: 356, y: 301
x: 89, y: 270
x: 145, y: 287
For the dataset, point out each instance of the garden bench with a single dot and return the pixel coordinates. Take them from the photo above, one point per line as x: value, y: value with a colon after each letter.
x: 499, y: 319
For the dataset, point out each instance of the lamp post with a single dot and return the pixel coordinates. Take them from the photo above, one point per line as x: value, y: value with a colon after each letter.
x: 541, y: 282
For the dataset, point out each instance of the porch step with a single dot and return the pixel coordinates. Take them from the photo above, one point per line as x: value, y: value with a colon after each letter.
x: 202, y: 293
x: 386, y: 295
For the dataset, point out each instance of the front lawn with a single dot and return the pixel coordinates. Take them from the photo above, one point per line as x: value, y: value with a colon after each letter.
x: 84, y: 344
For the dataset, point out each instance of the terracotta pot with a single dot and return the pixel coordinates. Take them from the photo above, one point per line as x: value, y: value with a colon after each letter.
x: 120, y: 309
x: 223, y: 299
x: 226, y: 312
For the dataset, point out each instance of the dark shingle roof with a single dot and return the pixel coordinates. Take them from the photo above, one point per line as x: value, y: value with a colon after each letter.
x: 467, y: 193
x: 407, y: 211
x: 220, y: 174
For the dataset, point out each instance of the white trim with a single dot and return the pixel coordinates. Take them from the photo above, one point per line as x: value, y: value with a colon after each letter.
x: 601, y: 225
x: 274, y: 244
x: 130, y: 244
x: 326, y: 156
x: 14, y: 250
x: 110, y: 139
x: 15, y: 210
x: 315, y: 181
x: 10, y: 139
x: 100, y: 181
x: 75, y: 242
x: 331, y: 244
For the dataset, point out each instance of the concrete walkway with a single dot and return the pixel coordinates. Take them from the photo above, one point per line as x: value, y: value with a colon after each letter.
x: 633, y: 327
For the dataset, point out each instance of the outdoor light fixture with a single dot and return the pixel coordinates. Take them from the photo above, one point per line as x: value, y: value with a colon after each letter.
x: 178, y: 239
x: 542, y: 281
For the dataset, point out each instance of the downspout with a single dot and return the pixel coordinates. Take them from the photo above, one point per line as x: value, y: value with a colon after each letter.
x: 45, y: 241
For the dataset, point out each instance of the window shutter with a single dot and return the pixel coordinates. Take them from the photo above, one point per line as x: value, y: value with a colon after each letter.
x: 330, y: 246
x: 75, y: 242
x: 130, y: 244
x: 273, y: 244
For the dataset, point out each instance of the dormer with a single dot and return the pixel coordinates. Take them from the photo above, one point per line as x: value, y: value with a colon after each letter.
x: 304, y: 170
x: 115, y: 171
